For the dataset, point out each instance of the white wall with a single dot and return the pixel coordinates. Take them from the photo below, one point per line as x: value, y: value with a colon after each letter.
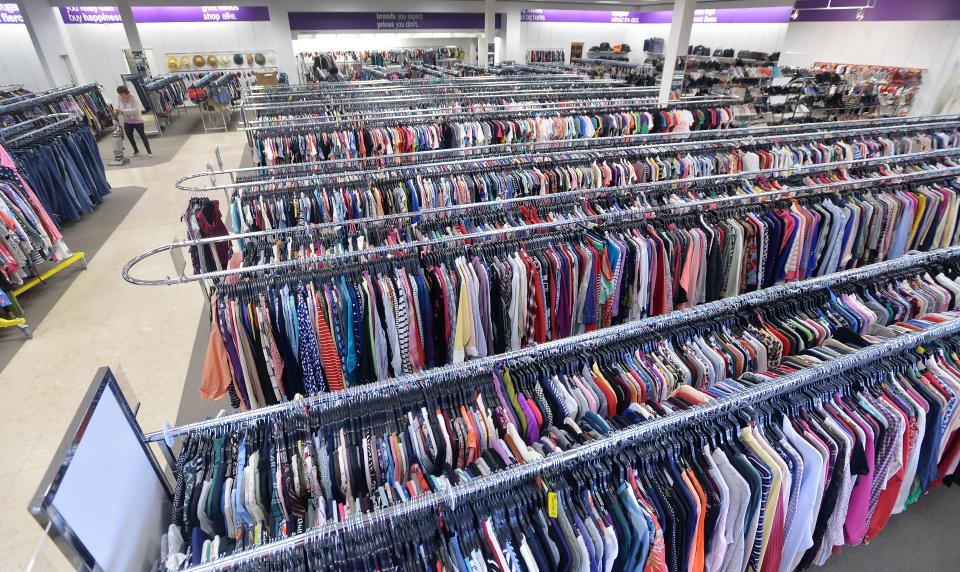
x: 19, y: 63
x: 754, y: 37
x: 923, y: 44
x: 382, y: 41
x: 547, y: 35
x: 100, y: 46
x: 539, y: 35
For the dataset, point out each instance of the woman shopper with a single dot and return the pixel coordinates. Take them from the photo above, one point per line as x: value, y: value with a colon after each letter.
x: 132, y: 120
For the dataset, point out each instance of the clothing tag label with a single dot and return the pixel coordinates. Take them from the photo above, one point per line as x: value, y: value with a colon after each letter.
x: 921, y: 350
x: 552, y: 509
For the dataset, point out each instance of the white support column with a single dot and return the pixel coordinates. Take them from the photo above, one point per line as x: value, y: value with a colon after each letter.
x: 130, y: 26
x: 283, y: 40
x: 141, y: 61
x: 489, y: 28
x: 677, y: 43
x: 40, y: 19
x: 512, y: 34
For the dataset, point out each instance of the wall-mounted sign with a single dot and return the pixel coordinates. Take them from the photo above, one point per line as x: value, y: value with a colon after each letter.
x: 10, y: 13
x: 776, y: 15
x: 388, y: 21
x: 162, y: 14
x: 876, y: 10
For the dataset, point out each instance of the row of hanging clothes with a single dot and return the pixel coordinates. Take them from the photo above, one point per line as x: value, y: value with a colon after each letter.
x: 61, y: 162
x: 484, y: 220
x: 866, y: 455
x: 87, y: 101
x: 30, y: 235
x: 488, y: 179
x: 546, y: 55
x: 805, y: 482
x: 646, y: 74
x: 216, y: 91
x: 355, y: 323
x: 338, y: 142
x: 166, y: 94
x: 50, y: 174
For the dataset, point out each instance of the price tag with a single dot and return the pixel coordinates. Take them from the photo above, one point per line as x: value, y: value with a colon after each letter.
x: 552, y: 509
x: 921, y: 350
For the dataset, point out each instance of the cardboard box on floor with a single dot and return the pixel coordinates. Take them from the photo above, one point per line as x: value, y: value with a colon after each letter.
x: 266, y: 78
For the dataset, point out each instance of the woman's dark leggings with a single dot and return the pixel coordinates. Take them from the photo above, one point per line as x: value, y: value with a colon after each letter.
x: 129, y: 128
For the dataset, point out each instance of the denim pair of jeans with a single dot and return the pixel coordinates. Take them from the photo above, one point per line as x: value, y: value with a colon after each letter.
x: 67, y: 175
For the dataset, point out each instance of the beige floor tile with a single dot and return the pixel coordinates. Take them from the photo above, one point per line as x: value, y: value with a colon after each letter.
x: 145, y: 332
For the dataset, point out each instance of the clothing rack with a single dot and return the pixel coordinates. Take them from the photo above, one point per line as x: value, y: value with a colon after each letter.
x: 101, y: 118
x: 155, y: 84
x: 46, y: 97
x: 203, y: 81
x: 745, y: 134
x: 393, y: 249
x: 430, y: 71
x: 11, y: 133
x: 214, y: 81
x: 546, y: 55
x: 579, y: 195
x: 435, y: 89
x: 494, y: 484
x: 375, y: 71
x: 554, y: 200
x: 470, y: 83
x: 13, y: 137
x: 546, y: 351
x: 278, y: 108
x: 482, y: 162
x: 603, y: 92
x: 395, y: 118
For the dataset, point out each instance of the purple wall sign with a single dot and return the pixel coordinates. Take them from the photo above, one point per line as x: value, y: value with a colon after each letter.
x: 10, y: 13
x: 878, y: 10
x: 90, y: 15
x: 159, y: 14
x: 772, y: 15
x: 396, y: 21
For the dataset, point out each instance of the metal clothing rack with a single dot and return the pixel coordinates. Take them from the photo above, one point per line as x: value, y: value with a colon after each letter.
x: 11, y: 136
x: 430, y: 504
x: 432, y: 70
x: 641, y: 190
x: 393, y: 118
x: 151, y: 86
x: 744, y: 135
x: 482, y: 163
x: 215, y: 79
x: 585, y: 342
x: 480, y: 236
x: 419, y: 106
x: 46, y: 97
x: 409, y: 99
x: 635, y: 191
x: 449, y: 84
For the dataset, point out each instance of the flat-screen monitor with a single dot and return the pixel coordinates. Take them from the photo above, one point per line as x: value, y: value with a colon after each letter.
x: 104, y: 499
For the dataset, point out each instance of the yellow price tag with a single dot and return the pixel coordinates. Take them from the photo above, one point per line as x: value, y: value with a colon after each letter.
x: 552, y: 509
x: 921, y: 350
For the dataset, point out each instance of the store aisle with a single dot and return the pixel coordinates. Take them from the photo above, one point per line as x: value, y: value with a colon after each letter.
x: 145, y: 334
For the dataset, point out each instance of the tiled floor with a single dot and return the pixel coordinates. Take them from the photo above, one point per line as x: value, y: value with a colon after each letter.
x: 145, y: 332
